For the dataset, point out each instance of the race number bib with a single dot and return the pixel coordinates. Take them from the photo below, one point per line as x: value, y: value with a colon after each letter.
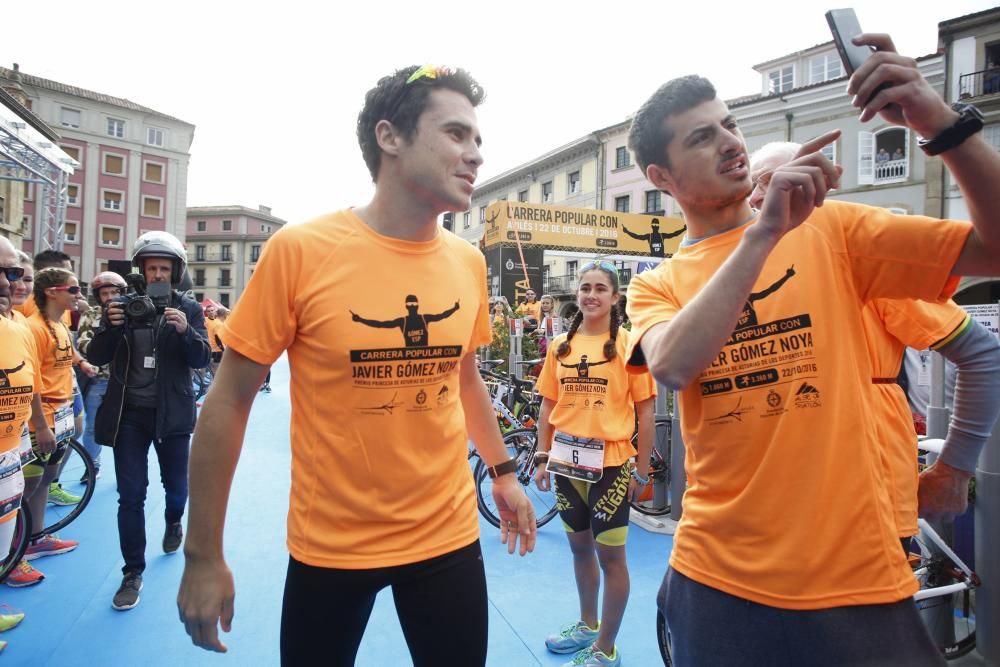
x: 64, y: 423
x: 11, y: 482
x: 576, y: 458
x: 24, y: 450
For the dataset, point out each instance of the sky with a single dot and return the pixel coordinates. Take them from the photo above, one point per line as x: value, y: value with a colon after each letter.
x: 274, y: 88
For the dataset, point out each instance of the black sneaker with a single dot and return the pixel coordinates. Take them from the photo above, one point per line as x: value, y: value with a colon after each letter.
x: 128, y: 593
x: 172, y: 537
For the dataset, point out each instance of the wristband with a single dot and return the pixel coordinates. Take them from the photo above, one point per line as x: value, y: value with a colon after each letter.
x: 508, y: 466
x: 539, y: 457
x: 643, y: 481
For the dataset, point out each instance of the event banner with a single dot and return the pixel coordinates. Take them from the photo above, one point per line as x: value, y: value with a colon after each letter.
x: 585, y: 230
x: 505, y: 273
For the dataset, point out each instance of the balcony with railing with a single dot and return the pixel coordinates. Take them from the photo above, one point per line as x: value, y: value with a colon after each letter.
x: 210, y: 257
x: 977, y: 84
x: 567, y: 284
x: 892, y: 170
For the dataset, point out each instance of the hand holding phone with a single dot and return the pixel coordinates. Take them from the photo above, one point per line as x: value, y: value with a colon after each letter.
x: 845, y: 27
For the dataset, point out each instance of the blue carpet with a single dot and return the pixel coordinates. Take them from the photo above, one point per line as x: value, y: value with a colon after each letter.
x: 70, y: 620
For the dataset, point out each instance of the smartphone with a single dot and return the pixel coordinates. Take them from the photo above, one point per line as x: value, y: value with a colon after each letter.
x: 845, y: 27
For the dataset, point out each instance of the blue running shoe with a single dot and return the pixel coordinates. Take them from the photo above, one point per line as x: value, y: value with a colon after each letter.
x: 572, y: 638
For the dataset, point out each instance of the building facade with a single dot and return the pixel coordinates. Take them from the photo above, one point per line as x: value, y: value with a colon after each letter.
x: 132, y: 173
x: 224, y: 244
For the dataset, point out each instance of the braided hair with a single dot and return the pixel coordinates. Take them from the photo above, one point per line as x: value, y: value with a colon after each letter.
x: 611, y: 346
x: 46, y: 278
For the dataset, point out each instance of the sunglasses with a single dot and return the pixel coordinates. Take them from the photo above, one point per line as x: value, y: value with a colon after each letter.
x: 72, y: 289
x: 607, y: 266
x: 12, y: 272
x: 424, y: 74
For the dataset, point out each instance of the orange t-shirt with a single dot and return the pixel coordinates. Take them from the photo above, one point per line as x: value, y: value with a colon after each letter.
x: 29, y: 308
x: 375, y: 329
x: 55, y: 357
x: 19, y: 378
x: 595, y: 397
x: 530, y: 310
x: 890, y: 326
x: 214, y: 328
x: 787, y: 503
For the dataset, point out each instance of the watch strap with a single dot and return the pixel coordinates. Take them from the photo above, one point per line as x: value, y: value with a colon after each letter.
x: 970, y: 121
x: 508, y: 466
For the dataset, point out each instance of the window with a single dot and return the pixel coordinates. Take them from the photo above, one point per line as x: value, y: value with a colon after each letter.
x: 116, y: 128
x: 825, y: 67
x: 622, y: 157
x: 114, y: 164
x: 780, y: 80
x: 73, y: 152
x: 547, y: 192
x: 29, y: 192
x: 199, y: 277
x: 254, y: 253
x: 199, y: 296
x: 227, y: 225
x: 26, y: 226
x: 152, y: 207
x: 73, y: 194
x: 111, y: 200
x: 466, y: 219
x: 154, y: 136
x: 622, y: 204
x: 572, y: 267
x: 111, y: 237
x: 224, y: 300
x: 201, y: 225
x: 883, y: 157
x: 482, y: 215
x: 522, y: 195
x: 224, y: 279
x: 152, y: 172
x: 199, y: 253
x: 265, y: 229
x: 653, y: 201
x: 69, y: 117
x: 69, y: 232
x: 227, y: 253
x: 991, y: 133
x: 574, y: 182
x: 830, y: 151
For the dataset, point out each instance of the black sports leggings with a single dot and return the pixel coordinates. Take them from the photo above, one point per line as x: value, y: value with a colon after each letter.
x: 441, y: 604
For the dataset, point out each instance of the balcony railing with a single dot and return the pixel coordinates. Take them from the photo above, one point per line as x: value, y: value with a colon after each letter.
x: 986, y: 82
x: 893, y: 170
x: 567, y: 284
x: 212, y: 257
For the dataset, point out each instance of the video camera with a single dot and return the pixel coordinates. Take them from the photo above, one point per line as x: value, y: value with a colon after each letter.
x: 143, y: 303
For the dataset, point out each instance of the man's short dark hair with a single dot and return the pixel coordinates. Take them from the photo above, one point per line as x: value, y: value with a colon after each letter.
x: 649, y: 135
x: 51, y: 258
x: 401, y: 103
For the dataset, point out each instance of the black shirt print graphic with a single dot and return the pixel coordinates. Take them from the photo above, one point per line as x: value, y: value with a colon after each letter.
x: 5, y: 374
x: 655, y: 238
x: 749, y: 316
x: 583, y: 367
x: 413, y: 325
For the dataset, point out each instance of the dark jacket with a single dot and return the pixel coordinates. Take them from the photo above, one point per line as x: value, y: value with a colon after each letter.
x: 176, y: 355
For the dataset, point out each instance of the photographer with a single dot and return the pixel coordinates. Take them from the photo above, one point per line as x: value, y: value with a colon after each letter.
x: 152, y: 338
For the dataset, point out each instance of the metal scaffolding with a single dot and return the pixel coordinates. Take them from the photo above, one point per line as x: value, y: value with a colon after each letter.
x: 27, y: 156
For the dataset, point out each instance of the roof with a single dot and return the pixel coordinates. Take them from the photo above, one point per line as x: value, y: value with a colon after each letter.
x: 65, y: 89
x: 795, y: 54
x: 950, y: 23
x: 205, y: 211
x: 29, y: 117
x: 577, y: 144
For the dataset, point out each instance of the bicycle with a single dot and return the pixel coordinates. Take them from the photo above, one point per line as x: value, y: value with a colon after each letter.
x: 76, y: 465
x: 521, y: 445
x: 19, y: 544
x: 947, y: 595
x: 201, y: 380
x: 659, y: 469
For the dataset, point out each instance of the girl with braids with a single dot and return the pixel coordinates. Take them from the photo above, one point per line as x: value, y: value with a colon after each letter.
x: 585, y: 425
x: 56, y: 290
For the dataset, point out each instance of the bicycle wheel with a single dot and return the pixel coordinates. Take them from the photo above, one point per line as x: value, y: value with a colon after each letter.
x: 201, y: 380
x: 19, y: 544
x: 78, y: 478
x: 521, y: 445
x: 659, y: 472
x: 950, y: 618
x: 663, y: 639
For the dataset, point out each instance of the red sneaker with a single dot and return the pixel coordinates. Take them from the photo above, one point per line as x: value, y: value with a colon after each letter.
x: 24, y: 575
x: 49, y: 545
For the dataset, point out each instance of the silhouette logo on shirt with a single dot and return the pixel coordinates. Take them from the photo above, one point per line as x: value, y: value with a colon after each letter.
x: 655, y: 237
x: 5, y: 374
x: 413, y: 325
x: 584, y: 366
x: 749, y: 316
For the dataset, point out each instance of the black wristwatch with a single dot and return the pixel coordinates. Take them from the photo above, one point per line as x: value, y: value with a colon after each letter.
x: 970, y: 121
x: 510, y: 465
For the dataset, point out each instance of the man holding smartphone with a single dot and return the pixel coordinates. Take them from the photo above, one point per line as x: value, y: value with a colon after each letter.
x: 787, y: 552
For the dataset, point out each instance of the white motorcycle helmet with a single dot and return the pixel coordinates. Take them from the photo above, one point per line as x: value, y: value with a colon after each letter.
x: 161, y: 244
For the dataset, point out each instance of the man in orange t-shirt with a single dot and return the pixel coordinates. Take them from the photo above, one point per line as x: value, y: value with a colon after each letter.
x: 787, y: 509
x: 385, y: 393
